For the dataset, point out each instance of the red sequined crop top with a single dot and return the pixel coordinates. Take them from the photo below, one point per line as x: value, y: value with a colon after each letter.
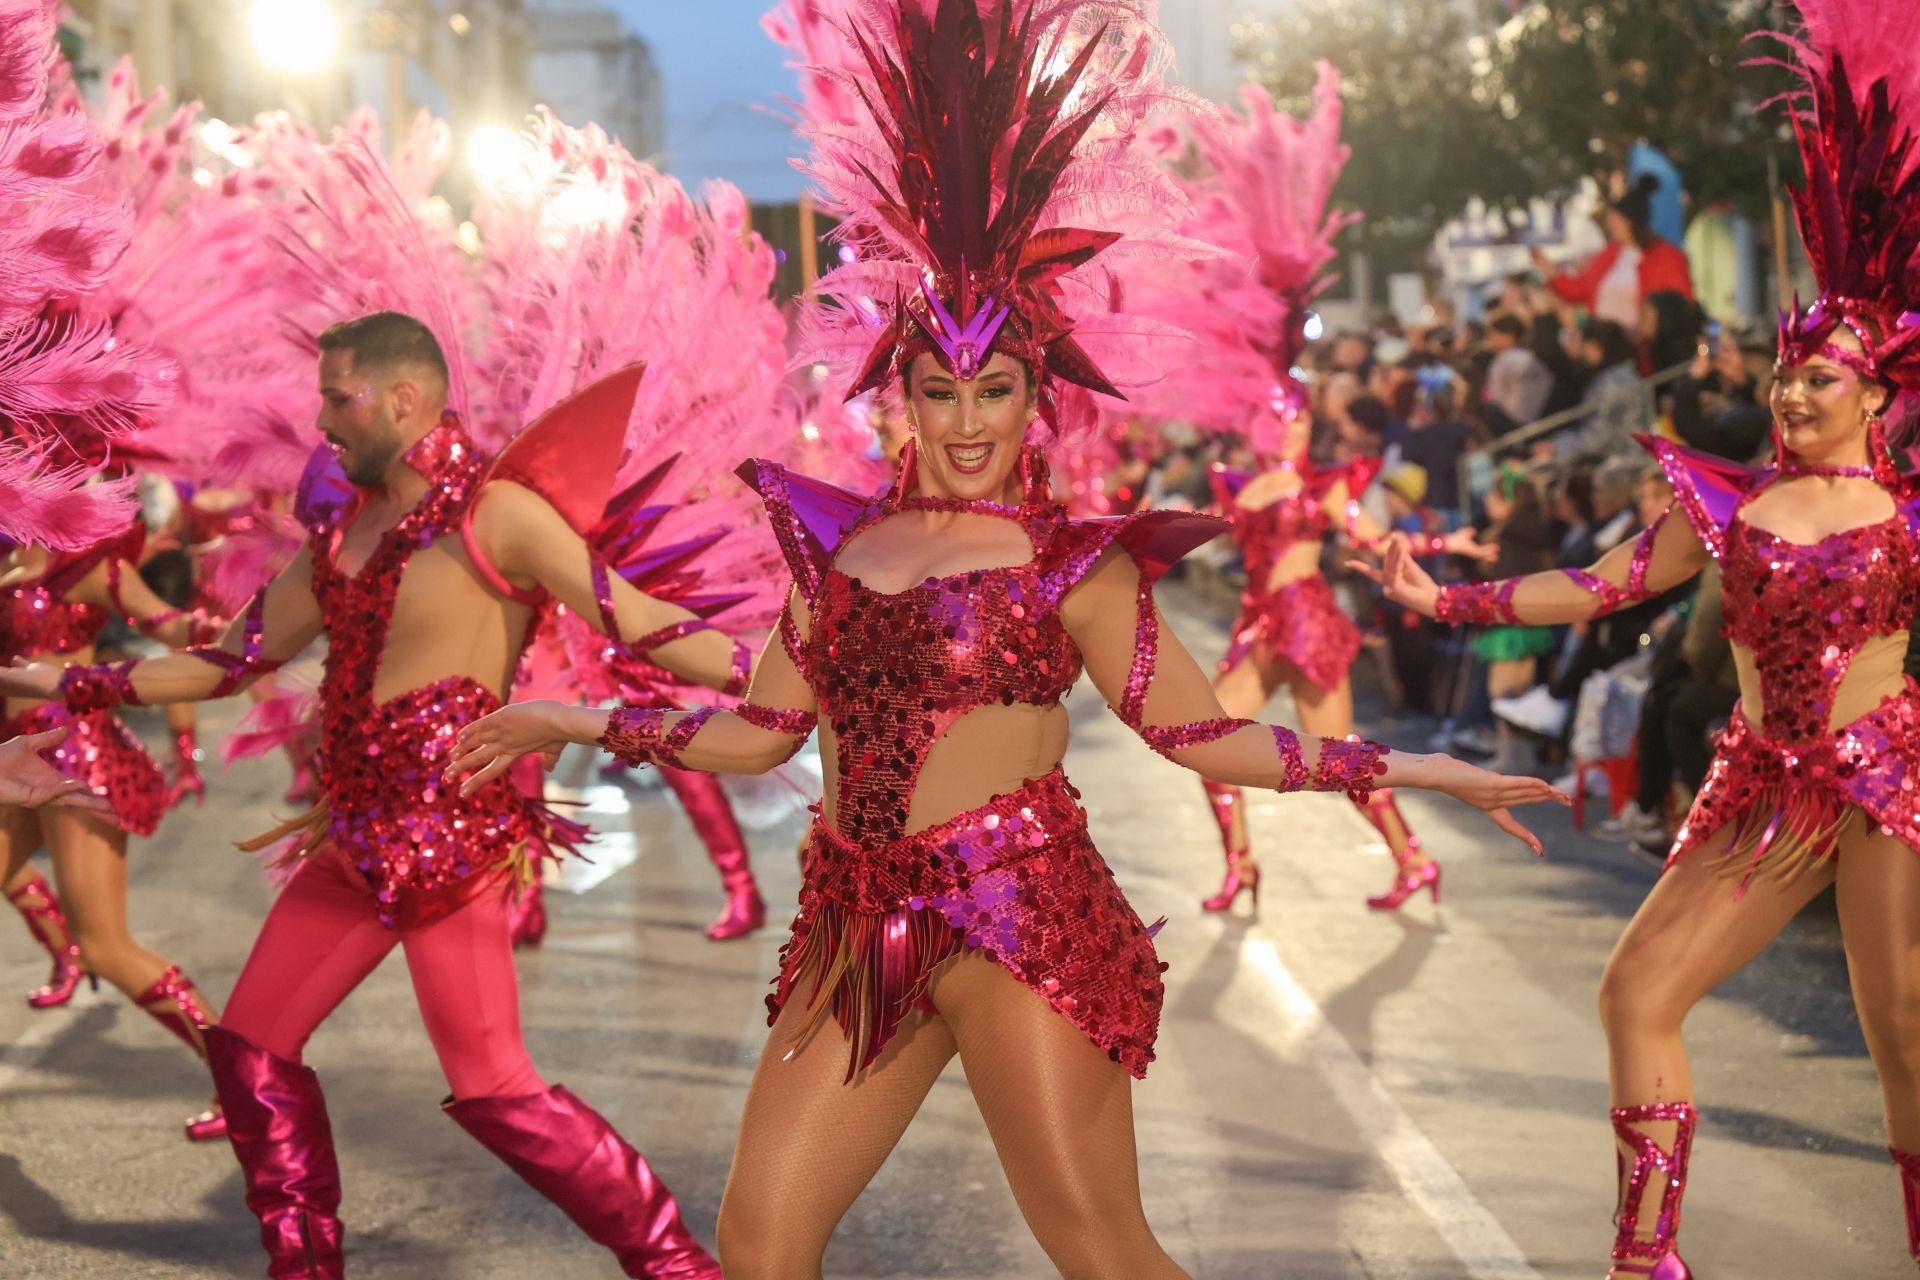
x: 1265, y: 534
x: 35, y: 617
x: 892, y: 671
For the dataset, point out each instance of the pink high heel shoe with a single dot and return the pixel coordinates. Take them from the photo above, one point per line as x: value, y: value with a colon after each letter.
x: 174, y: 1002
x: 48, y: 925
x: 1243, y: 875
x: 186, y: 770
x: 1909, y: 1165
x: 1659, y: 1257
x: 1408, y: 884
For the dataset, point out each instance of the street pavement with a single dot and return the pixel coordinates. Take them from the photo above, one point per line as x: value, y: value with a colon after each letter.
x: 1339, y: 1094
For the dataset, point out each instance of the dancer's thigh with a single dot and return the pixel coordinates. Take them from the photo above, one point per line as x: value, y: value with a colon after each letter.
x: 1061, y: 1116
x: 90, y: 867
x: 469, y: 995
x: 1244, y: 688
x: 19, y: 837
x: 1693, y: 933
x: 810, y: 1141
x: 320, y: 941
x: 1325, y: 713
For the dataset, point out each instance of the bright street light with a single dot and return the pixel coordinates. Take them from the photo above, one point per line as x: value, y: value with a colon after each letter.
x: 494, y: 154
x: 293, y: 35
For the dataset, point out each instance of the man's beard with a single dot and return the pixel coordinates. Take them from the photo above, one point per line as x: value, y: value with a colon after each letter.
x: 367, y: 467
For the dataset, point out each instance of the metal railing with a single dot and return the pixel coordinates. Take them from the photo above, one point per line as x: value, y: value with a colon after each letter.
x: 1476, y: 465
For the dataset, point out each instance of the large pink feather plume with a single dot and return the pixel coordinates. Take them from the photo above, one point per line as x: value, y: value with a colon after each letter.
x: 55, y: 507
x: 1260, y: 190
x: 72, y: 387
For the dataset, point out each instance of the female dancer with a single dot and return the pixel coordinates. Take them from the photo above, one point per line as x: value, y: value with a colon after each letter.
x: 931, y: 634
x: 53, y: 608
x: 1811, y: 783
x: 1263, y: 193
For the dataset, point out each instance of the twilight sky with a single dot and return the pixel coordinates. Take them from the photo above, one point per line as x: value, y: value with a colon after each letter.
x: 721, y: 71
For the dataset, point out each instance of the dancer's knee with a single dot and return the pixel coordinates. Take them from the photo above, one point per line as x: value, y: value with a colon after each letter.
x: 1634, y: 999
x: 753, y: 1246
x: 1892, y: 1027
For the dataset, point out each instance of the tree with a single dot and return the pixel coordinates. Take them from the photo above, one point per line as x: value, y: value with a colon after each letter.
x: 1511, y: 99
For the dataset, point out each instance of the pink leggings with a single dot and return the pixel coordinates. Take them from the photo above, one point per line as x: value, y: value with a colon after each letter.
x: 322, y: 938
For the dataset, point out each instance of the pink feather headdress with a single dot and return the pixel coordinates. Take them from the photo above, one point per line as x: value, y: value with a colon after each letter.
x: 1261, y: 193
x: 985, y: 185
x: 1854, y: 112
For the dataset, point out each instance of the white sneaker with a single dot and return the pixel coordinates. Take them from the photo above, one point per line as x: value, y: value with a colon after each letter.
x: 1536, y: 711
x: 1634, y: 823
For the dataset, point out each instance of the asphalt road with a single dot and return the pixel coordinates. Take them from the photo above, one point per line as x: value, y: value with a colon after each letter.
x: 1338, y: 1094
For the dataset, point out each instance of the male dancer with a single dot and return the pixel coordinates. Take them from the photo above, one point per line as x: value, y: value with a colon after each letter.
x: 426, y: 584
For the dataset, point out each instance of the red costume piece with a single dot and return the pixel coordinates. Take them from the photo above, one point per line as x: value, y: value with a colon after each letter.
x: 1016, y: 879
x: 1804, y: 612
x: 1663, y: 268
x: 421, y: 848
x: 36, y: 621
x: 1299, y: 620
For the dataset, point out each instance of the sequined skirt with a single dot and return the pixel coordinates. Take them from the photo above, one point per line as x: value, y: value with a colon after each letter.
x: 1016, y: 880
x: 1301, y: 622
x: 103, y: 753
x: 421, y: 847
x: 1789, y: 804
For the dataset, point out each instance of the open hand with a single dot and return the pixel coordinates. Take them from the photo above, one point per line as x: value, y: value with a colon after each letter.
x: 1402, y: 578
x: 1495, y: 793
x: 27, y: 780
x: 1466, y: 543
x: 489, y: 746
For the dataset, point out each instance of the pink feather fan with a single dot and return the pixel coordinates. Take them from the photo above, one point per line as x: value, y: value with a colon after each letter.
x: 71, y: 387
x: 1261, y: 193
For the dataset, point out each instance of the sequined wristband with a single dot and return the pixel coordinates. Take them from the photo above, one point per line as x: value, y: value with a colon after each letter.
x: 97, y: 688
x: 1352, y: 765
x: 640, y: 735
x: 1478, y: 603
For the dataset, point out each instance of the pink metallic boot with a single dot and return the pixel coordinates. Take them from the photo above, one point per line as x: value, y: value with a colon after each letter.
x: 174, y: 1003
x: 186, y: 780
x: 1413, y: 873
x: 37, y: 905
x: 705, y: 801
x: 1243, y: 873
x: 280, y: 1134
x: 1657, y: 1257
x: 566, y: 1151
x: 1909, y: 1166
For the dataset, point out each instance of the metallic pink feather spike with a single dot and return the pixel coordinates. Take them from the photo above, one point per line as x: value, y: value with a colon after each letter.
x: 1855, y: 110
x: 1043, y: 194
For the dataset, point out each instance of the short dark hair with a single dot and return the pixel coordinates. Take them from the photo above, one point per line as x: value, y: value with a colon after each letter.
x: 387, y: 340
x: 1370, y: 412
x: 1510, y: 325
x: 1615, y: 346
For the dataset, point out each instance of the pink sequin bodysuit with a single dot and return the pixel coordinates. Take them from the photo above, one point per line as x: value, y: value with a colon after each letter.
x: 1298, y: 620
x: 1804, y: 612
x: 37, y: 621
x: 1017, y: 879
x: 421, y: 848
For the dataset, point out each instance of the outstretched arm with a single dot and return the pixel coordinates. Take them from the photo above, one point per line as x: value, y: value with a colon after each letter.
x: 119, y: 585
x: 1160, y: 692
x: 281, y: 621
x: 765, y: 730
x: 1666, y: 554
x: 531, y: 544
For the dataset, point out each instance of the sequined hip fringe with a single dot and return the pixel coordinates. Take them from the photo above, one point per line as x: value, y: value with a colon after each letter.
x: 1016, y: 880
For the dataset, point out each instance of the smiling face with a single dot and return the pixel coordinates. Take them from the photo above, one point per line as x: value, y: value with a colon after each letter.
x: 369, y: 417
x: 1820, y: 408
x: 969, y: 432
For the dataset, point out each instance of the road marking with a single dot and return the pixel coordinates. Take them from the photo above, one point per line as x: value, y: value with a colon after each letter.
x: 1430, y: 1182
